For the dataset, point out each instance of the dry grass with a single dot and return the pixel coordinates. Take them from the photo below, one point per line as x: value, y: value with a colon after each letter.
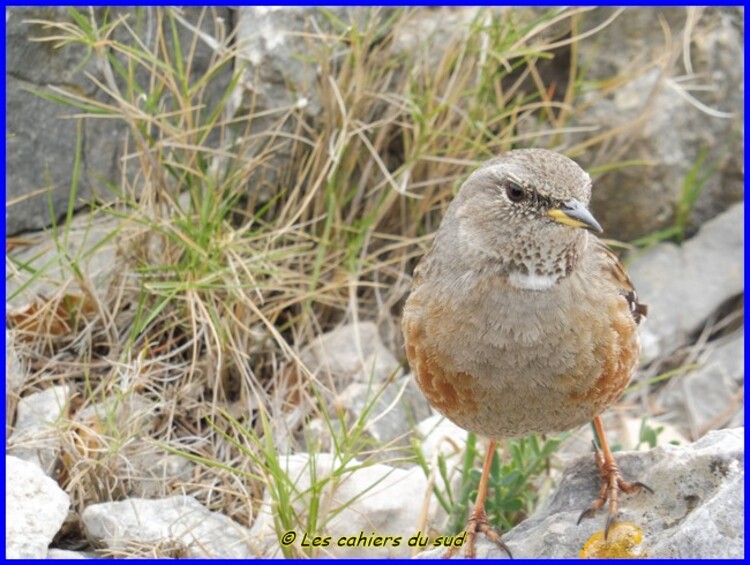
x: 222, y: 281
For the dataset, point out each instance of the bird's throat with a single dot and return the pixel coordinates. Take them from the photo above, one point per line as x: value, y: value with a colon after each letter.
x: 533, y: 281
x: 540, y: 269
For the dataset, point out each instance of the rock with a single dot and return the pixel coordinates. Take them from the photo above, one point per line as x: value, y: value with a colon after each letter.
x: 35, y: 508
x: 41, y: 142
x: 440, y: 436
x: 709, y: 518
x: 54, y: 553
x: 349, y: 356
x: 273, y: 40
x: 391, y: 417
x: 442, y: 445
x: 317, y: 435
x: 658, y: 124
x: 373, y: 499
x: 41, y: 145
x: 178, y: 526
x: 684, y: 285
x: 89, y: 241
x: 135, y: 467
x: 714, y: 51
x: 708, y: 396
x: 14, y: 378
x: 351, y: 353
x: 420, y: 28
x: 279, y: 87
x: 14, y: 373
x: 36, y: 437
x: 696, y: 510
x: 738, y: 420
x: 713, y: 530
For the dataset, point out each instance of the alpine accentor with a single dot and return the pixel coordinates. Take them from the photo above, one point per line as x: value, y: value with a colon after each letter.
x: 519, y: 321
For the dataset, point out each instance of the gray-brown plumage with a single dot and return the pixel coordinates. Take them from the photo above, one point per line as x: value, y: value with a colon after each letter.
x: 519, y: 321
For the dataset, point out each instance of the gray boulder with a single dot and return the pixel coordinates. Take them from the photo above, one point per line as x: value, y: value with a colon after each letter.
x: 684, y: 285
x: 695, y: 512
x: 35, y: 508
x: 41, y: 136
x: 677, y: 101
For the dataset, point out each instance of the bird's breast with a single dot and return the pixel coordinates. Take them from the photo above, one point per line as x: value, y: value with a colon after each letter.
x: 501, y: 363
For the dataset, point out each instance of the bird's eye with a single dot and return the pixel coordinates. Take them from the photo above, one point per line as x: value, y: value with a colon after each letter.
x: 515, y: 193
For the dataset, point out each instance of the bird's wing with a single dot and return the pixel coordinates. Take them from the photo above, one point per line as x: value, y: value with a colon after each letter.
x: 616, y: 270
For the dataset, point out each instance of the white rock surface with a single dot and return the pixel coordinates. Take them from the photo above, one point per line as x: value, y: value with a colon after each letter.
x: 54, y: 553
x: 85, y: 234
x: 352, y: 356
x: 35, y: 508
x: 351, y: 353
x: 653, y: 118
x: 623, y: 433
x: 36, y: 436
x: 713, y: 530
x: 147, y: 471
x: 142, y: 527
x: 391, y: 415
x: 375, y: 499
x: 696, y: 510
x: 438, y: 435
x: 684, y: 285
x: 709, y: 396
x: 14, y: 375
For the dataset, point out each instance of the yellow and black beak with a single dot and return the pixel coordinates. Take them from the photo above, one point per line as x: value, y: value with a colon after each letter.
x: 574, y: 213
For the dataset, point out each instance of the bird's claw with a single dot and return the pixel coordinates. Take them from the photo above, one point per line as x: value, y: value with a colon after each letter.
x: 478, y: 524
x: 612, y: 483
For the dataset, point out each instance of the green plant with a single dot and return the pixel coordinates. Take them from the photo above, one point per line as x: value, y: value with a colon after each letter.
x: 648, y: 435
x: 515, y: 484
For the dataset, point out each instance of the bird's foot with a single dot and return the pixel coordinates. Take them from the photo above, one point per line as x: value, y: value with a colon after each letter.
x: 612, y: 483
x: 477, y: 524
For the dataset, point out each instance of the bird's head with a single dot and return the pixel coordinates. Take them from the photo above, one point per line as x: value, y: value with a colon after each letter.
x: 527, y: 212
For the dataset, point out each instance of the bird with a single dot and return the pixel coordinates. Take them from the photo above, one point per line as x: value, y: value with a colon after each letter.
x: 520, y: 320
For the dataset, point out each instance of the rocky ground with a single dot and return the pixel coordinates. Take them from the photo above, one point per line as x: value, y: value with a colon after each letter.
x: 696, y: 510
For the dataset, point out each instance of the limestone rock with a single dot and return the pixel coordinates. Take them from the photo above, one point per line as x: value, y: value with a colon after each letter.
x: 151, y: 472
x: 391, y: 415
x: 35, y: 508
x: 14, y: 375
x: 438, y: 435
x: 89, y: 241
x: 36, y: 436
x: 683, y: 285
x: 169, y: 527
x: 41, y: 143
x: 54, y: 553
x: 351, y: 353
x: 131, y: 413
x: 141, y: 469
x: 670, y: 114
x: 709, y: 395
x: 696, y: 510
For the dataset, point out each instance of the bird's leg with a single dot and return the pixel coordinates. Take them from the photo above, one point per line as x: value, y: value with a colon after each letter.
x: 612, y: 481
x: 478, y: 519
